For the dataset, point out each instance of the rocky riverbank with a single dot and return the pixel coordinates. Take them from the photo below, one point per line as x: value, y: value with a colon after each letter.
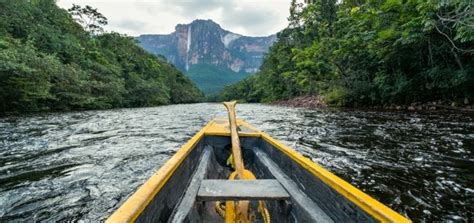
x: 318, y: 102
x: 430, y: 106
x: 303, y: 101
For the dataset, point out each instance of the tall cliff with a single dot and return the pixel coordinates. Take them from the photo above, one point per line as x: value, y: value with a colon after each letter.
x: 211, y: 56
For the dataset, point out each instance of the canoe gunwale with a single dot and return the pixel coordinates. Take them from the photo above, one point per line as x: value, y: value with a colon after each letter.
x: 368, y: 204
x: 131, y: 209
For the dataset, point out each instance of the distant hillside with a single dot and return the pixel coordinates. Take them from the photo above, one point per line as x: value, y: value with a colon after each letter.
x: 48, y: 61
x: 211, y: 56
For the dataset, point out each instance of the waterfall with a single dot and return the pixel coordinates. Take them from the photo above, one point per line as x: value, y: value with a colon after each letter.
x: 188, y: 46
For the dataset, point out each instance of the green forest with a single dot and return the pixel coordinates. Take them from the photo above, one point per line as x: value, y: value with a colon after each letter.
x: 369, y: 53
x: 211, y: 79
x: 53, y: 59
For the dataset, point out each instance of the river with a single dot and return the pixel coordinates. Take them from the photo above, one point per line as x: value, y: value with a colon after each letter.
x: 80, y: 166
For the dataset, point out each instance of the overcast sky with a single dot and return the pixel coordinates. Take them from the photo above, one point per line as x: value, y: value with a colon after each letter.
x: 135, y: 17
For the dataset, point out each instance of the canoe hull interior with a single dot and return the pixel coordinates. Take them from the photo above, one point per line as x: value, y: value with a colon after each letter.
x: 311, y: 199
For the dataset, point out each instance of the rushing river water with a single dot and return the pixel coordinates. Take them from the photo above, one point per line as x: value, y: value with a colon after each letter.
x: 83, y: 165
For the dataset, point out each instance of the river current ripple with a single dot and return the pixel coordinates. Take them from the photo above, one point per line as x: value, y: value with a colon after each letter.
x: 80, y: 166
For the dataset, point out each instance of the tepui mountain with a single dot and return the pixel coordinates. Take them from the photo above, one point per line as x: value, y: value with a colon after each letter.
x: 210, y: 55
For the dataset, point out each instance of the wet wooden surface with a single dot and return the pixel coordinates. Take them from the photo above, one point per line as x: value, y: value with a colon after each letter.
x: 211, y: 190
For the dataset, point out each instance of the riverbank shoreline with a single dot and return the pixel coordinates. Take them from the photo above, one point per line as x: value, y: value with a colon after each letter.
x: 303, y: 102
x: 317, y: 102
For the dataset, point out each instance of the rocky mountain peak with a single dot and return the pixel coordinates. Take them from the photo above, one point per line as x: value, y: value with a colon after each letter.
x: 205, y: 43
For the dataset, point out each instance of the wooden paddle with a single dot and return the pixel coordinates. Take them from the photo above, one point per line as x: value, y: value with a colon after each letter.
x: 236, y: 150
x: 239, y: 213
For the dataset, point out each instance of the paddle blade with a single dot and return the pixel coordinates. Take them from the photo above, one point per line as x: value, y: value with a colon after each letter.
x: 230, y: 105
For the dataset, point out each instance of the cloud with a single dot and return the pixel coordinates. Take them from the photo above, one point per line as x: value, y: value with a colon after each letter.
x: 135, y: 17
x: 193, y: 8
x: 256, y: 19
x: 130, y: 24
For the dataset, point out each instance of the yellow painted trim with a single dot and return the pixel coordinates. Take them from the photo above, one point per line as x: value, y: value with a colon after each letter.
x: 135, y: 204
x: 241, y: 134
x: 374, y: 208
x: 220, y: 127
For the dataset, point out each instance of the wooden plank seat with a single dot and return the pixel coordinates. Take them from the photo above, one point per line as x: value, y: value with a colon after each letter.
x: 214, y: 190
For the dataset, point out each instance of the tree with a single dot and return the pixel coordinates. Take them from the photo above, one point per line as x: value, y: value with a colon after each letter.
x: 369, y: 52
x: 49, y: 62
x: 89, y: 18
x: 457, y: 15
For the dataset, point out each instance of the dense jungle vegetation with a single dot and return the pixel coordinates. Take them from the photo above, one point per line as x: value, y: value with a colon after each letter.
x: 369, y: 52
x: 52, y: 59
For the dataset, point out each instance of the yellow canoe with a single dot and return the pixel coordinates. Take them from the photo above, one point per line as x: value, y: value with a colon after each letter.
x: 295, y: 189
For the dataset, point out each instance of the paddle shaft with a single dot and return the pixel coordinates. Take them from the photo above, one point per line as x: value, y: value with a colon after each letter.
x: 236, y: 151
x: 239, y: 211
